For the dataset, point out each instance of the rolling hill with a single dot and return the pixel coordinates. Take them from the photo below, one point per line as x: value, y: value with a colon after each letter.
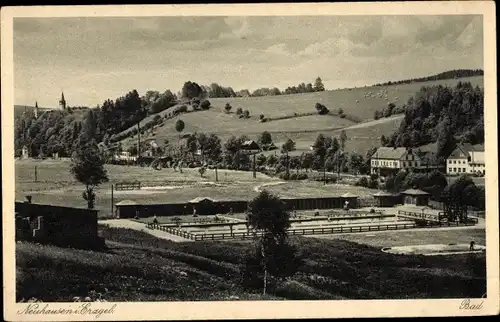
x: 359, y: 104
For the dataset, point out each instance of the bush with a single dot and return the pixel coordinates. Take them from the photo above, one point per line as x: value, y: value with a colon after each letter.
x: 205, y: 105
x: 239, y: 111
x: 302, y: 176
x: 293, y: 176
x: 362, y: 182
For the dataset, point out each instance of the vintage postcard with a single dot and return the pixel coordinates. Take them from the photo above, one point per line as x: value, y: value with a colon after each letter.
x: 193, y: 162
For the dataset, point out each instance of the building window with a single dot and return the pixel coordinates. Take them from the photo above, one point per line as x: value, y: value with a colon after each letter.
x: 395, y: 164
x: 449, y: 161
x: 454, y: 169
x: 463, y: 170
x: 459, y: 170
x: 454, y: 161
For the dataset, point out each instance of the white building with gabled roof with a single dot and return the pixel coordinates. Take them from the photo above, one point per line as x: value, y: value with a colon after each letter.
x: 466, y: 158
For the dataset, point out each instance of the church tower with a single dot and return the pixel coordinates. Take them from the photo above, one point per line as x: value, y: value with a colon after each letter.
x: 36, y: 110
x: 62, y: 102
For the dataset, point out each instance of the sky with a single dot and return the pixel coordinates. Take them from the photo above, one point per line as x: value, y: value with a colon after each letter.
x: 97, y: 58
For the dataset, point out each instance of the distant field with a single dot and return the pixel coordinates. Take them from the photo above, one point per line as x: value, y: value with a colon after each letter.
x: 360, y: 103
x: 56, y: 185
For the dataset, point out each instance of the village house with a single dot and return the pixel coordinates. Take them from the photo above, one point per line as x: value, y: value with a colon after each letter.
x: 466, y: 158
x: 390, y: 160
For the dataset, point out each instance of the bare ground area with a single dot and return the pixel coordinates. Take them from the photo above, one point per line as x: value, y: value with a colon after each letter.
x: 456, y: 235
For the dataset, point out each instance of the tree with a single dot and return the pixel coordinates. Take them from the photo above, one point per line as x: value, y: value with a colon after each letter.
x: 343, y: 139
x: 87, y: 166
x: 273, y: 256
x: 265, y: 138
x: 202, y: 171
x: 356, y: 162
x: 179, y: 126
x: 246, y: 114
x: 322, y: 109
x: 318, y: 85
x: 239, y: 111
x: 341, y: 111
x: 228, y: 107
x: 289, y: 145
x: 191, y: 90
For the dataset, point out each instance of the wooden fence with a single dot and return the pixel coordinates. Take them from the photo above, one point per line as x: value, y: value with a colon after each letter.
x: 136, y: 185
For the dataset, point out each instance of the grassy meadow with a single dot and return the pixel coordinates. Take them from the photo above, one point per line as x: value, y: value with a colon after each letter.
x: 356, y: 103
x: 159, y: 269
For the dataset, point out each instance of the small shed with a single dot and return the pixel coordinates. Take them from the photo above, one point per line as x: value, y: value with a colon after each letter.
x: 127, y: 209
x: 350, y: 200
x: 416, y: 197
x: 386, y: 199
x: 204, y: 206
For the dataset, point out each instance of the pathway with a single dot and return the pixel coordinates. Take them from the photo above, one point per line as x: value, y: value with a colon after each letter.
x: 259, y: 187
x: 130, y: 224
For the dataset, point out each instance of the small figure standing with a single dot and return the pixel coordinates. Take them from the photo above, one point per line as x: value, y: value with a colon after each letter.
x: 471, y: 247
x: 155, y: 220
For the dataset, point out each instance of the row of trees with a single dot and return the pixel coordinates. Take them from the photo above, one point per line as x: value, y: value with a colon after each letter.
x: 444, y: 115
x: 456, y: 73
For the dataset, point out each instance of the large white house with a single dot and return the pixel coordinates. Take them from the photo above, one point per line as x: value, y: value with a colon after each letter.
x: 391, y: 159
x: 466, y: 158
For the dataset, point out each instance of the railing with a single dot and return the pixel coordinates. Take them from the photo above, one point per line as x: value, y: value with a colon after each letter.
x: 128, y: 186
x: 296, y: 231
x: 416, y: 215
x: 303, y: 231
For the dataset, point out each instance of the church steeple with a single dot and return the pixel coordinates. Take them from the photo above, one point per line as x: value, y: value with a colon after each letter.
x: 62, y: 102
x: 36, y: 110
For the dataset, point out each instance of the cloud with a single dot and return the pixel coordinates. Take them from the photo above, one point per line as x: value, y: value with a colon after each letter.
x: 118, y: 54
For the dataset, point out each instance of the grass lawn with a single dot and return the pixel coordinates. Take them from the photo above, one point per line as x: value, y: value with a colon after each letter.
x: 313, y: 189
x: 140, y: 267
x: 56, y: 185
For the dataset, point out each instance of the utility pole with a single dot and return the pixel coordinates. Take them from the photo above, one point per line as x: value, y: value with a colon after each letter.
x: 216, y: 175
x: 138, y: 141
x: 254, y: 165
x: 324, y: 170
x: 36, y: 175
x: 112, y: 201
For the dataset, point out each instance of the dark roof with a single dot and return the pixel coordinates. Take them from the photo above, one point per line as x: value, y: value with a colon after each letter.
x: 389, y: 153
x: 465, y: 148
x: 415, y: 192
x: 250, y: 145
x: 200, y: 199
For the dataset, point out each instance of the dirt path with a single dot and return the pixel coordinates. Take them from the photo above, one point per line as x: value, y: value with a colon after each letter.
x: 130, y: 224
x: 259, y: 187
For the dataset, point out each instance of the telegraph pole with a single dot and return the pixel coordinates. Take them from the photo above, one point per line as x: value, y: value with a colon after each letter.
x: 138, y: 141
x: 112, y: 201
x: 254, y: 165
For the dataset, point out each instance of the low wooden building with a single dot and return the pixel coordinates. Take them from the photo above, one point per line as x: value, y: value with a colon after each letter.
x: 386, y: 199
x: 127, y: 209
x: 349, y: 200
x: 204, y: 206
x: 415, y: 197
x: 61, y: 226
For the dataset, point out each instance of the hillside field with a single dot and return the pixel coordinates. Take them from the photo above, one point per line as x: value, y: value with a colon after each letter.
x: 160, y: 270
x: 357, y: 103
